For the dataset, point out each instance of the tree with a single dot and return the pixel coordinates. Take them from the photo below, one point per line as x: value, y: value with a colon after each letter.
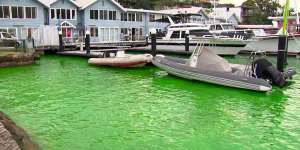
x: 151, y: 4
x: 261, y: 10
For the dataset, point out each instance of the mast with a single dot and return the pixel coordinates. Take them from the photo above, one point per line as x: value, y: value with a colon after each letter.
x: 214, y: 12
x: 297, y: 12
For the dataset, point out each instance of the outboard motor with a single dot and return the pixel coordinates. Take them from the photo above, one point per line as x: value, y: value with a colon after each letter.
x: 264, y: 69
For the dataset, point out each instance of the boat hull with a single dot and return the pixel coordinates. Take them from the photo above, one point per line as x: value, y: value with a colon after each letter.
x: 218, y: 46
x: 177, y: 67
x: 270, y: 45
x: 128, y: 61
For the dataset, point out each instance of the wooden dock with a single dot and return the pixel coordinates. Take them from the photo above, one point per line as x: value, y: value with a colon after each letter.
x: 93, y: 53
x: 160, y: 50
x: 101, y: 45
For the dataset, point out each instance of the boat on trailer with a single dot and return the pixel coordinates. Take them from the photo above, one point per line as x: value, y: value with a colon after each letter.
x: 206, y: 66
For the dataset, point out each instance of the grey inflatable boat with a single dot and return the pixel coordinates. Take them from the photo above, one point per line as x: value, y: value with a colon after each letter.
x: 206, y: 66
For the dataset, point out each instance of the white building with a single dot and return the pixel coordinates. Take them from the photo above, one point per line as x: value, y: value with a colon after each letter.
x: 228, y: 14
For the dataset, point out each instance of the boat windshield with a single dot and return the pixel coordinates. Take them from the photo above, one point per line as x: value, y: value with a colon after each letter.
x: 228, y: 27
x: 6, y: 35
x: 259, y: 32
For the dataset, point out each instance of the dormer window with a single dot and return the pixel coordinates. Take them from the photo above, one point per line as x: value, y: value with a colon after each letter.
x: 65, y: 14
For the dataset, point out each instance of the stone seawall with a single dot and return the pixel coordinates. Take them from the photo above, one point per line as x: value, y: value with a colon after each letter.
x: 13, y: 137
x: 18, y: 59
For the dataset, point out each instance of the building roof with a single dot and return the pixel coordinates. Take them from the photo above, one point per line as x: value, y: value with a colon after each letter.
x: 82, y: 4
x: 190, y: 10
x: 49, y: 2
x: 86, y: 3
x: 146, y: 11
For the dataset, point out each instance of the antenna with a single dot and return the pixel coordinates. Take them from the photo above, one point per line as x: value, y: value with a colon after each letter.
x: 297, y: 12
x: 214, y: 12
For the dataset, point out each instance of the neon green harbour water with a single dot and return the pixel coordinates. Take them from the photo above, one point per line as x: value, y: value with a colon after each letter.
x: 65, y: 104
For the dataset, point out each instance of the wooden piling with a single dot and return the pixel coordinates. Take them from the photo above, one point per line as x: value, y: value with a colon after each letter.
x: 153, y: 42
x: 187, y: 41
x: 281, y: 52
x: 87, y: 42
x: 61, y: 43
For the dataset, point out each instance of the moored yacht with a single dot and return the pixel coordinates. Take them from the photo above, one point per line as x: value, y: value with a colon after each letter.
x: 219, y: 44
x: 260, y: 40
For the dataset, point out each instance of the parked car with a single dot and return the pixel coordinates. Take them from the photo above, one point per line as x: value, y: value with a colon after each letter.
x: 7, y: 40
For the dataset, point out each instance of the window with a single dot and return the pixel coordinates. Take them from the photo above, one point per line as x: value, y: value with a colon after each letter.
x: 14, y: 12
x: 58, y: 14
x: 68, y: 14
x: 1, y: 12
x: 4, y: 12
x: 11, y: 31
x: 124, y: 31
x: 21, y: 12
x: 139, y: 17
x: 182, y: 34
x: 129, y: 17
x: 133, y: 16
x: 105, y: 14
x: 219, y: 27
x: 63, y: 14
x: 101, y: 14
x: 33, y: 12
x: 124, y: 17
x: 93, y: 14
x: 30, y: 12
x: 199, y: 32
x: 94, y: 31
x: 73, y: 14
x: 152, y: 18
x: 110, y: 15
x: 29, y: 33
x: 114, y: 15
x: 175, y: 34
x: 52, y: 13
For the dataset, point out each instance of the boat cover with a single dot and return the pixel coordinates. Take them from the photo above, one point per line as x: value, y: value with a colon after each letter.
x: 208, y: 60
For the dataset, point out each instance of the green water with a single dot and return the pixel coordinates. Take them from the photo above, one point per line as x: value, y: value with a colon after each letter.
x: 65, y: 104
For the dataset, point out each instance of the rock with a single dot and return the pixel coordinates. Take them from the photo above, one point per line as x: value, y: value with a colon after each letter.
x: 14, y: 137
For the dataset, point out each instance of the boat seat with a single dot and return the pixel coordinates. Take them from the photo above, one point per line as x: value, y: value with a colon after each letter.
x: 237, y: 69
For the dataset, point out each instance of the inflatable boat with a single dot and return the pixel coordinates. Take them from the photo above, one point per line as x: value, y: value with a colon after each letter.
x: 206, y: 66
x: 122, y: 60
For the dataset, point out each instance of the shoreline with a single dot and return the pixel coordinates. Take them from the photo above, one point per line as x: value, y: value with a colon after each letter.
x: 15, y: 137
x: 18, y: 59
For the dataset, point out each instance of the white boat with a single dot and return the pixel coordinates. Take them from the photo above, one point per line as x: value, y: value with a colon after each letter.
x: 221, y: 45
x: 206, y: 66
x: 269, y: 44
x: 259, y: 39
x: 122, y: 60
